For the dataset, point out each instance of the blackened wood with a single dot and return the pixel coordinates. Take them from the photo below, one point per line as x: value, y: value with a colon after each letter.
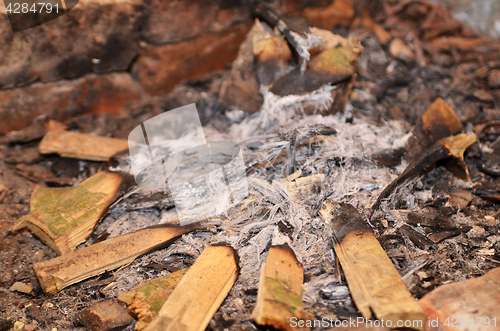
x: 442, y: 235
x: 420, y: 240
x: 447, y: 148
x: 431, y: 220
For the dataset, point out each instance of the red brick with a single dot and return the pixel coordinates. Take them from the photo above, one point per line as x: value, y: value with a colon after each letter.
x: 339, y: 12
x: 172, y: 21
x: 66, y: 47
x: 64, y: 99
x: 472, y: 298
x: 159, y: 69
x: 293, y: 6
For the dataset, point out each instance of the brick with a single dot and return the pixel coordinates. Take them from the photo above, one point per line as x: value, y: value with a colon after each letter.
x: 82, y: 41
x: 172, y: 21
x: 64, y: 99
x: 467, y: 299
x: 339, y: 12
x: 293, y: 6
x: 159, y: 69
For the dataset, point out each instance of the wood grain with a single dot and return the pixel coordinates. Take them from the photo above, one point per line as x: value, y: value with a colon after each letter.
x: 199, y: 294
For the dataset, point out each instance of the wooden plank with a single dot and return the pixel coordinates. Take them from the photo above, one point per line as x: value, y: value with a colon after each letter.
x: 430, y: 219
x: 301, y: 187
x: 146, y: 299
x: 460, y: 199
x: 279, y: 298
x: 437, y: 122
x: 420, y: 240
x: 373, y: 281
x: 200, y: 292
x: 64, y: 217
x: 80, y: 145
x: 442, y: 235
x: 450, y: 148
x: 60, y: 272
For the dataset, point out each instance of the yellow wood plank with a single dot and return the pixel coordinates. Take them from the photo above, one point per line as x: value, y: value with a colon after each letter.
x: 80, y: 145
x: 60, y: 272
x: 373, y: 280
x: 192, y: 304
x: 146, y: 299
x: 279, y: 298
x: 63, y: 218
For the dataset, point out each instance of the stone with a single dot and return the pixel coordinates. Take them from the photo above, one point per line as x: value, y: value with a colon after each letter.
x: 65, y: 99
x: 79, y: 42
x: 21, y: 287
x: 18, y: 325
x: 467, y: 300
x: 401, y: 51
x: 105, y: 315
x: 159, y: 69
x: 173, y: 21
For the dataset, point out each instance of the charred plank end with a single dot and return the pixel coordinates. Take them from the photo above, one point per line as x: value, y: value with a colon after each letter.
x: 279, y: 298
x: 451, y: 148
x: 373, y: 281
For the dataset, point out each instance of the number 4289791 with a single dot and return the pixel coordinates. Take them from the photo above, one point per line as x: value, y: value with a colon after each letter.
x: 25, y: 8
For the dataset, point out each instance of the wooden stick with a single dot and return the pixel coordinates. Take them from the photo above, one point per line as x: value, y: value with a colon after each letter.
x: 432, y: 220
x: 81, y: 146
x: 280, y: 290
x: 301, y: 187
x: 452, y: 148
x: 439, y: 121
x: 64, y: 217
x: 146, y: 299
x: 265, y: 12
x: 192, y: 304
x: 442, y: 235
x: 420, y: 240
x: 373, y: 281
x: 71, y: 268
